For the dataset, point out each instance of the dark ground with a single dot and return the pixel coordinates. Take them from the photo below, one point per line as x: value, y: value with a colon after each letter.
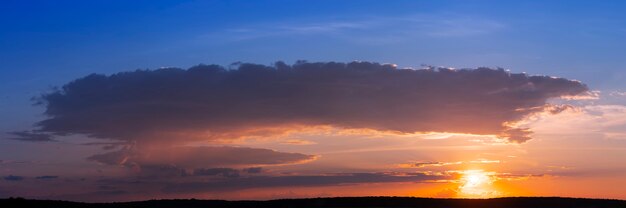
x: 512, y: 202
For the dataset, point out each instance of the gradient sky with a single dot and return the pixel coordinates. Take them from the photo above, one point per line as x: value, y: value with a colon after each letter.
x: 395, y: 115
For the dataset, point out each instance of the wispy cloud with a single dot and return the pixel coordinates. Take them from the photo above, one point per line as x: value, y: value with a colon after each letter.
x: 617, y: 94
x: 439, y: 164
x: 606, y: 120
x: 298, y: 142
x: 370, y: 29
x: 31, y: 136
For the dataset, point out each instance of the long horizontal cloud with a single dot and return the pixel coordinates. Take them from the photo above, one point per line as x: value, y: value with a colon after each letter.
x: 298, y: 181
x: 13, y: 178
x: 28, y: 136
x: 211, y: 102
x: 439, y: 164
x: 198, y: 157
x: 46, y: 177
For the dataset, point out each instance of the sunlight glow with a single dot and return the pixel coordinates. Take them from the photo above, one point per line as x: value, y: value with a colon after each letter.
x: 477, y: 184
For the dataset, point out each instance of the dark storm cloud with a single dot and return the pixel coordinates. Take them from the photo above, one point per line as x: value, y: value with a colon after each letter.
x: 211, y: 102
x: 28, y: 136
x: 198, y: 157
x: 298, y: 181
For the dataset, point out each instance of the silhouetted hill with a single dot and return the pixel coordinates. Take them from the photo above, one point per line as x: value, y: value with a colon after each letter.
x: 342, y: 202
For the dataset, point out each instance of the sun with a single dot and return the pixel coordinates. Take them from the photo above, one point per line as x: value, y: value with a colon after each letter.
x: 477, y: 184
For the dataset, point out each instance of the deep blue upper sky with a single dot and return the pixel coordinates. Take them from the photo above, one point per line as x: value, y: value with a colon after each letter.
x: 48, y: 43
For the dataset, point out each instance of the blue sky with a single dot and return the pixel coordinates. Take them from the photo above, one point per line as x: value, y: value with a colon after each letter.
x: 46, y: 44
x: 65, y: 38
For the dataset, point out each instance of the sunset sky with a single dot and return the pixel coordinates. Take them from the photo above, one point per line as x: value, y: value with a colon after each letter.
x: 133, y: 100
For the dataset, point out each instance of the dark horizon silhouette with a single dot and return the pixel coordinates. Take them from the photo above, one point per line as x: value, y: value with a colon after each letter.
x: 337, y: 202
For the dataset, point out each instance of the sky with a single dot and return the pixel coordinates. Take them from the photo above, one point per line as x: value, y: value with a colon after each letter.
x: 133, y: 100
